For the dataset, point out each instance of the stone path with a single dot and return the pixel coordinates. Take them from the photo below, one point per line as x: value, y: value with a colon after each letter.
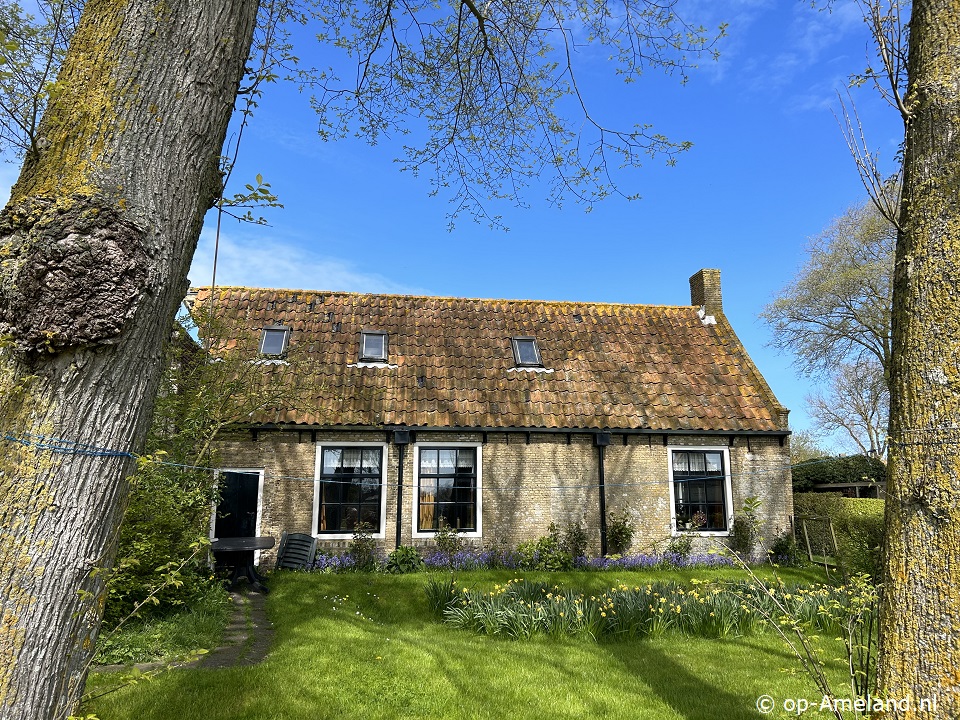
x: 246, y: 639
x: 248, y: 636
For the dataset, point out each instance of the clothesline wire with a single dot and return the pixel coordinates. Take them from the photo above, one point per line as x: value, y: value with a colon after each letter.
x: 62, y: 446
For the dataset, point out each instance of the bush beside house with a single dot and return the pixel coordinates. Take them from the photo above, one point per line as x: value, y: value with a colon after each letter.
x: 857, y: 524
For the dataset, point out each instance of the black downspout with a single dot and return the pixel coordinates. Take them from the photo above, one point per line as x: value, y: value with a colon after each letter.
x: 400, y: 439
x: 602, y: 440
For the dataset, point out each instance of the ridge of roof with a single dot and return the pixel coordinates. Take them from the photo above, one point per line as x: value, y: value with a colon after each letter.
x: 348, y: 293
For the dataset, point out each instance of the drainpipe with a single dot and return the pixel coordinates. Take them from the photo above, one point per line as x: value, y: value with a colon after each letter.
x: 601, y: 440
x: 401, y: 438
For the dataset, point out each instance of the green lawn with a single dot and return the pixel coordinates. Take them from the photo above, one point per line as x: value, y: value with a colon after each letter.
x: 366, y: 646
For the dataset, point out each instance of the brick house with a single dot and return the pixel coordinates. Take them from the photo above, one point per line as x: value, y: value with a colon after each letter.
x: 500, y: 417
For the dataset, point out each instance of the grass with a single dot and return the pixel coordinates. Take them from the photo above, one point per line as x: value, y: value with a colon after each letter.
x: 167, y: 638
x: 368, y: 646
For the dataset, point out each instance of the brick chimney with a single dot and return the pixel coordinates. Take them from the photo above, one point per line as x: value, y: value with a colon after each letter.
x: 705, y: 291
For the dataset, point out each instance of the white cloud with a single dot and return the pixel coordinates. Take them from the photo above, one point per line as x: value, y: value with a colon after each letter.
x: 268, y: 261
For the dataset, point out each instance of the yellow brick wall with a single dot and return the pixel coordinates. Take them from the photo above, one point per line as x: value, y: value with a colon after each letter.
x: 525, y: 486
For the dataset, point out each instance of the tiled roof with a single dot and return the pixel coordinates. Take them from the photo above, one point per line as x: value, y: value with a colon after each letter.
x: 451, y: 363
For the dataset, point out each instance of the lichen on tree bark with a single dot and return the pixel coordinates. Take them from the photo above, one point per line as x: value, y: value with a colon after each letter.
x: 94, y: 250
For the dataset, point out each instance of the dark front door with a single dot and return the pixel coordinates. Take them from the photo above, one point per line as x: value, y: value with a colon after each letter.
x: 237, y: 509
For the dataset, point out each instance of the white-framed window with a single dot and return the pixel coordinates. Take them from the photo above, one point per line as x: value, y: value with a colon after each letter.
x: 700, y: 490
x: 348, y: 489
x: 449, y: 479
x: 526, y: 352
x: 373, y: 346
x: 274, y: 340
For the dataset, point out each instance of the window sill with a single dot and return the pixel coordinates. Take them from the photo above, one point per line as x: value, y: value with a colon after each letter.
x: 700, y: 533
x: 419, y: 535
x: 346, y: 536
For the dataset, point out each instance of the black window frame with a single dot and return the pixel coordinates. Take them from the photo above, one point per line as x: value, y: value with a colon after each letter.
x: 692, y: 491
x: 462, y: 483
x: 336, y: 483
x: 284, y: 344
x: 364, y: 357
x: 515, y: 343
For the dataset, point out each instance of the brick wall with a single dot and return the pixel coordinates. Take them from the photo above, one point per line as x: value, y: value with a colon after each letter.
x: 525, y: 486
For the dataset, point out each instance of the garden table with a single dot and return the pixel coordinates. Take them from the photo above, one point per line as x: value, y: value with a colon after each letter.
x: 238, y: 553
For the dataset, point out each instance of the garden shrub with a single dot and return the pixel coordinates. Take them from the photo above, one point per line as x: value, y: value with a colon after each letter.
x: 363, y: 549
x: 856, y: 468
x: 545, y: 553
x: 404, y: 559
x: 575, y: 540
x: 785, y: 551
x: 679, y: 547
x: 160, y: 552
x: 746, y: 527
x: 619, y: 533
x: 857, y: 524
x: 447, y: 539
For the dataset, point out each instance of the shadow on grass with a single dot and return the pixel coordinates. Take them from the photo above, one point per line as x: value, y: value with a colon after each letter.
x: 365, y: 646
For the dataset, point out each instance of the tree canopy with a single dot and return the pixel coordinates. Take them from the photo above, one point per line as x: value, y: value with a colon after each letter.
x: 837, y: 308
x: 834, y: 317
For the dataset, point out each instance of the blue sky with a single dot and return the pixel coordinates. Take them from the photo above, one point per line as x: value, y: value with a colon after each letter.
x: 769, y: 168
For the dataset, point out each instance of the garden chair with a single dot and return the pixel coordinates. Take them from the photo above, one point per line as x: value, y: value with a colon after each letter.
x: 296, y: 551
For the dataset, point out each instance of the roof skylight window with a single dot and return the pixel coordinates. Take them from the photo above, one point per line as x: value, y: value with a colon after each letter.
x: 525, y: 352
x: 373, y: 346
x: 274, y: 340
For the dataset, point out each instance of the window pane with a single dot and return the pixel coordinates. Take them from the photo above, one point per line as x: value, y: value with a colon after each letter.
x: 330, y: 519
x: 697, y: 493
x: 333, y: 491
x: 697, y: 463
x: 352, y: 493
x: 448, y: 460
x: 445, y: 490
x: 714, y: 462
x: 273, y: 340
x: 466, y: 460
x: 428, y: 461
x: 374, y: 346
x: 715, y: 492
x: 351, y: 459
x: 370, y: 490
x: 680, y: 462
x: 331, y: 460
x: 527, y: 352
x: 371, y: 460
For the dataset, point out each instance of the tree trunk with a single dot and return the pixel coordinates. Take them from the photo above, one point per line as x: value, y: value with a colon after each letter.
x: 919, y: 662
x: 94, y: 249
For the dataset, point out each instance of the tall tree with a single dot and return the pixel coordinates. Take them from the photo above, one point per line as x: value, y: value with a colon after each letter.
x: 857, y: 404
x: 920, y: 613
x: 96, y: 241
x: 99, y: 230
x: 835, y: 317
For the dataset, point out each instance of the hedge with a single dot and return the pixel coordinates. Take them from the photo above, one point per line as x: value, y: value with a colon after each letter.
x: 855, y: 468
x: 857, y: 524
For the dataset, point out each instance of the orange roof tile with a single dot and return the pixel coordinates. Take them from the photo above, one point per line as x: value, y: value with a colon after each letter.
x: 451, y: 363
